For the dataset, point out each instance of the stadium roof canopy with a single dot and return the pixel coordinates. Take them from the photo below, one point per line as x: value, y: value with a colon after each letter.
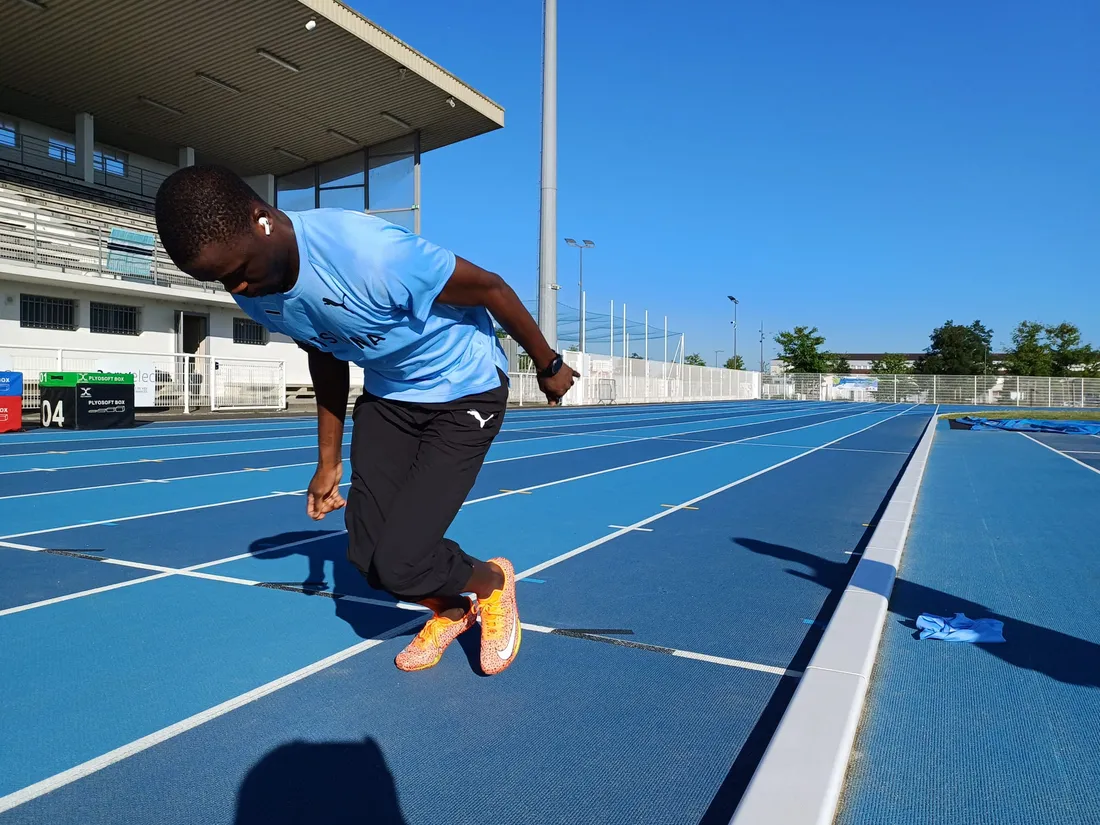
x: 237, y: 80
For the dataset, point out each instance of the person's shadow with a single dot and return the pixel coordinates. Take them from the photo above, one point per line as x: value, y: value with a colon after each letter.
x: 1030, y: 646
x: 321, y: 548
x: 335, y: 783
x: 1057, y: 655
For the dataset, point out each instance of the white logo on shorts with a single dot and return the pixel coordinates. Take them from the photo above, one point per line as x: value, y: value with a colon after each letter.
x: 480, y: 420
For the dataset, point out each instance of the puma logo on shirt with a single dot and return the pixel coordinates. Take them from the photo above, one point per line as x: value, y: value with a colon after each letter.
x: 480, y: 420
x: 331, y: 303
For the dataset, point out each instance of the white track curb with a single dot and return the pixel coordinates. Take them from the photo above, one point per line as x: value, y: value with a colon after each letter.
x: 800, y: 778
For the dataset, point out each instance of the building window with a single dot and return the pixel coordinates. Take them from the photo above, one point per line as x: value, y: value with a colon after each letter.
x: 114, y: 319
x: 110, y: 164
x: 247, y: 331
x: 105, y: 162
x: 342, y: 183
x: 41, y: 312
x: 297, y: 191
x: 64, y: 152
x: 7, y: 134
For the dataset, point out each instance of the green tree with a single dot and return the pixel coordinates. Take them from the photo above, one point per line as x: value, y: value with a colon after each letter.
x: 635, y: 355
x: 957, y: 350
x: 1066, y: 350
x: 891, y: 363
x: 800, y: 350
x: 735, y: 363
x: 695, y: 360
x: 1030, y: 353
x: 838, y: 364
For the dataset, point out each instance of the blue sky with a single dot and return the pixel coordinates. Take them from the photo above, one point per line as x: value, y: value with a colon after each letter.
x: 872, y: 169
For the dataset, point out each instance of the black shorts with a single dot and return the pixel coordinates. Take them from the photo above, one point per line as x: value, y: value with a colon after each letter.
x: 412, y: 468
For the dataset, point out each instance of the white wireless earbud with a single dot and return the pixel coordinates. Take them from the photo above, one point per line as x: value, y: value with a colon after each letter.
x: 266, y: 224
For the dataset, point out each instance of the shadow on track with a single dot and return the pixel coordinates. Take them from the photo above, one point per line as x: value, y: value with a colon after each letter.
x: 336, y: 783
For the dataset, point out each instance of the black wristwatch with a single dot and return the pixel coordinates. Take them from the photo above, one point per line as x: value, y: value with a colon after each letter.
x: 551, y: 370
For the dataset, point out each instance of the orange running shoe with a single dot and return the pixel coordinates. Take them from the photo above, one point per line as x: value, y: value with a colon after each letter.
x: 500, y: 627
x: 426, y: 648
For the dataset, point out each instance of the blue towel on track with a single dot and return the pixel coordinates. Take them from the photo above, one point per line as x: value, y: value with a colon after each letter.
x: 960, y: 628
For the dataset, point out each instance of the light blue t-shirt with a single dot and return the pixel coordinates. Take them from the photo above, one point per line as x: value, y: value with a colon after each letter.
x: 366, y: 292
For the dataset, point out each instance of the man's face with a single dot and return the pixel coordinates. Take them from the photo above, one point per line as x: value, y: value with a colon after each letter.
x: 252, y: 265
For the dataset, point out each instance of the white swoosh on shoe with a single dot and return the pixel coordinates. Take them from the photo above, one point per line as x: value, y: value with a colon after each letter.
x: 507, y: 653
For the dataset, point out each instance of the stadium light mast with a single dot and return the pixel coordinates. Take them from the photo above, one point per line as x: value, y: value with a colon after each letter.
x: 583, y: 245
x: 735, y: 303
x: 548, y: 207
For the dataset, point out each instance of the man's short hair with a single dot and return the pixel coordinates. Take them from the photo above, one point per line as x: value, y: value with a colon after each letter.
x: 200, y: 205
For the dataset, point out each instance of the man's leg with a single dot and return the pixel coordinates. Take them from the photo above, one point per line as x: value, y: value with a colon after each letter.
x: 385, y: 441
x: 412, y: 559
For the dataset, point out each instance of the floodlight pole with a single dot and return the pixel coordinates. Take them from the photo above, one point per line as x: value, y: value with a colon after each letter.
x: 548, y: 208
x: 735, y: 303
x: 583, y: 245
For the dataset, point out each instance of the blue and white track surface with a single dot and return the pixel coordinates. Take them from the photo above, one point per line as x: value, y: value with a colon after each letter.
x: 180, y: 643
x: 1005, y: 528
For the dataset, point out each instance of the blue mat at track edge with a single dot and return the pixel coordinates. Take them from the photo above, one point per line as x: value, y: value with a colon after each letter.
x: 1026, y: 425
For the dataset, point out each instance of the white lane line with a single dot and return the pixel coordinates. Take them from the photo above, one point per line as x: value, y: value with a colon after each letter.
x: 200, y: 457
x: 164, y: 734
x: 156, y: 446
x: 81, y: 594
x: 154, y: 480
x: 182, y: 436
x: 192, y: 573
x: 1063, y: 455
x: 624, y: 527
x: 521, y: 491
x: 670, y: 651
x: 836, y: 449
x: 186, y: 572
x: 584, y: 548
x: 738, y: 663
x: 141, y: 516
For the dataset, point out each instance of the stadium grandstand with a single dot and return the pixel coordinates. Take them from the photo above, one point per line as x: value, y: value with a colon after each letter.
x: 314, y: 105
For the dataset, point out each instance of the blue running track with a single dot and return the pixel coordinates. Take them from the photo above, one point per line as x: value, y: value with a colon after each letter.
x: 180, y: 643
x: 954, y: 734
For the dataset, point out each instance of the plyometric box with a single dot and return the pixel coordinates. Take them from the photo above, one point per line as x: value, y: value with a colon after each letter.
x: 87, y: 400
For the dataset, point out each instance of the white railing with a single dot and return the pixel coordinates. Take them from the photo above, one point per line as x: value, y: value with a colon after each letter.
x: 972, y: 390
x: 607, y: 379
x: 161, y: 380
x: 49, y: 239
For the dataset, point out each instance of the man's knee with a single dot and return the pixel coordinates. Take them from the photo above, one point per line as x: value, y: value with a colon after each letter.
x: 414, y: 570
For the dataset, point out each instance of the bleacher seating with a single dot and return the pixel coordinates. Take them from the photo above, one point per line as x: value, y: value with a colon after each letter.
x: 45, y: 181
x: 50, y: 224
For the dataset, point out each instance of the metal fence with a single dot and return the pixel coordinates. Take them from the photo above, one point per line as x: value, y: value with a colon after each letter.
x: 983, y: 390
x: 612, y: 380
x: 161, y: 380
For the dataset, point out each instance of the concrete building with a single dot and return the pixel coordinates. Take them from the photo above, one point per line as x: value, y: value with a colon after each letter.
x: 313, y: 104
